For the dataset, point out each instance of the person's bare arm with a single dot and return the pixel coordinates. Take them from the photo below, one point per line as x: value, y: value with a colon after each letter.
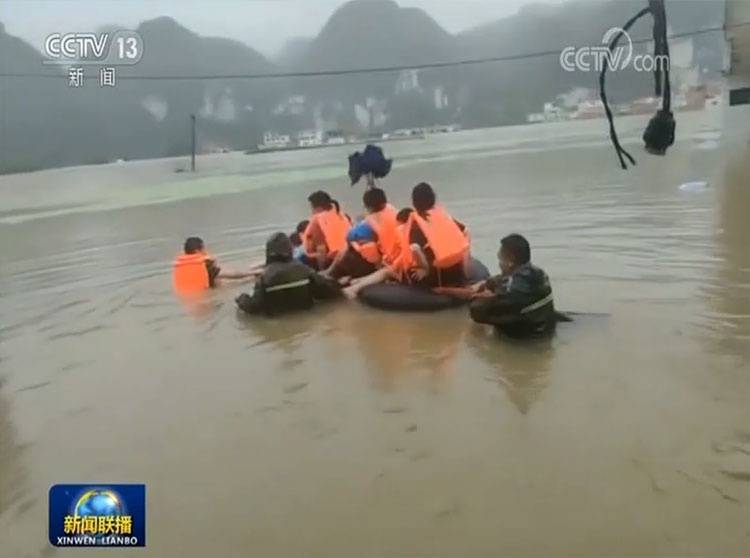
x: 253, y: 271
x: 423, y: 267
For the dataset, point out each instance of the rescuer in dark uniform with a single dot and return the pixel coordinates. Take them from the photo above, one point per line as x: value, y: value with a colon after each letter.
x: 519, y: 301
x: 286, y: 284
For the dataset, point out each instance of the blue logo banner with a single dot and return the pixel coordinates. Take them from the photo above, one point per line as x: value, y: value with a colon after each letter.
x: 97, y: 515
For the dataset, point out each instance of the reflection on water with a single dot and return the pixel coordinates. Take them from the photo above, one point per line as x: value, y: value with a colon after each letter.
x: 284, y: 333
x: 399, y: 352
x: 728, y: 292
x: 520, y: 368
x: 12, y: 475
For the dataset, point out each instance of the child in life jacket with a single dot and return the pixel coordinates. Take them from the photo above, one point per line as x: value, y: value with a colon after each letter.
x: 396, y: 266
x: 369, y: 241
x: 297, y: 243
x: 439, y: 243
x: 325, y: 235
x: 195, y: 270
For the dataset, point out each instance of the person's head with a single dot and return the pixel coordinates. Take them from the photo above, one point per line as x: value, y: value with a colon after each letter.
x: 320, y: 201
x: 423, y: 197
x: 278, y: 248
x: 374, y: 200
x: 296, y: 239
x: 403, y: 215
x: 194, y: 245
x: 302, y: 226
x: 514, y: 252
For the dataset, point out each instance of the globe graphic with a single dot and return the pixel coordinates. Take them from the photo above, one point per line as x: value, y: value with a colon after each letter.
x: 99, y: 502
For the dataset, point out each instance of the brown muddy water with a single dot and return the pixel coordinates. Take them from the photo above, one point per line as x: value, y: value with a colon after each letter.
x: 354, y: 432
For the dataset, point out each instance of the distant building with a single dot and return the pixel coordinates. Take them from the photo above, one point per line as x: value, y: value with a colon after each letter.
x: 553, y: 113
x: 645, y: 105
x: 272, y: 140
x: 334, y: 137
x: 589, y: 109
x: 572, y: 98
x: 294, y: 104
x: 408, y: 80
x: 535, y: 118
x: 440, y: 98
x: 310, y: 138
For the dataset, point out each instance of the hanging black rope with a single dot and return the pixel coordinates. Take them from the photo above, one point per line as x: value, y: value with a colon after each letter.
x: 659, y: 133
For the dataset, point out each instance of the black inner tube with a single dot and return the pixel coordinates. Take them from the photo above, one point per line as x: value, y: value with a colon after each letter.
x: 397, y: 296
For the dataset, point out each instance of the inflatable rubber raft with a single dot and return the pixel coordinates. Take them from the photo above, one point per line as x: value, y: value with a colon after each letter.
x: 397, y: 296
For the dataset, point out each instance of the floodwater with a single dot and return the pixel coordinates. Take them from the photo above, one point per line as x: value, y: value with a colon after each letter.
x: 354, y: 432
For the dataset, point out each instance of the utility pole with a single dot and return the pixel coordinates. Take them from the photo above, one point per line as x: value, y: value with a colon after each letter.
x: 192, y: 135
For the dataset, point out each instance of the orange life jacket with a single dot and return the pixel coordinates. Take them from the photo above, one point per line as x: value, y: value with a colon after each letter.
x: 189, y: 273
x: 404, y: 259
x: 384, y: 224
x: 444, y: 237
x: 334, y: 226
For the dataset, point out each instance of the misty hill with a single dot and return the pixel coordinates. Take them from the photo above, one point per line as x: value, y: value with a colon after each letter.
x: 365, y: 33
x: 46, y: 123
x: 231, y: 112
x: 293, y: 53
x: 368, y: 34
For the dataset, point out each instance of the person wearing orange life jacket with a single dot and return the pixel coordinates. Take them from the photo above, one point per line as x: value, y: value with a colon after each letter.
x: 371, y: 242
x: 438, y: 242
x: 396, y: 267
x: 195, y: 270
x: 325, y: 235
x: 403, y: 261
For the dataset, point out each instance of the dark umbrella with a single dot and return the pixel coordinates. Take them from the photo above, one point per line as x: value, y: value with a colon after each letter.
x: 370, y: 162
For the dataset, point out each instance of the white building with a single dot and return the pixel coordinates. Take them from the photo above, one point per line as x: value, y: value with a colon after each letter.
x: 310, y: 138
x: 553, y: 113
x: 535, y: 118
x: 440, y: 98
x: 408, y: 80
x: 272, y: 140
x: 572, y: 98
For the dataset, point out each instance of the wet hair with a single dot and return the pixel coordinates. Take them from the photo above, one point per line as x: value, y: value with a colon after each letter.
x: 374, y: 199
x: 302, y: 226
x: 296, y: 239
x: 193, y: 245
x: 321, y: 200
x: 403, y: 215
x: 517, y: 247
x: 423, y: 198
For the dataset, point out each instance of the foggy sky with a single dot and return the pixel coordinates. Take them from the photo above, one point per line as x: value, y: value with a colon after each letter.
x: 263, y: 24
